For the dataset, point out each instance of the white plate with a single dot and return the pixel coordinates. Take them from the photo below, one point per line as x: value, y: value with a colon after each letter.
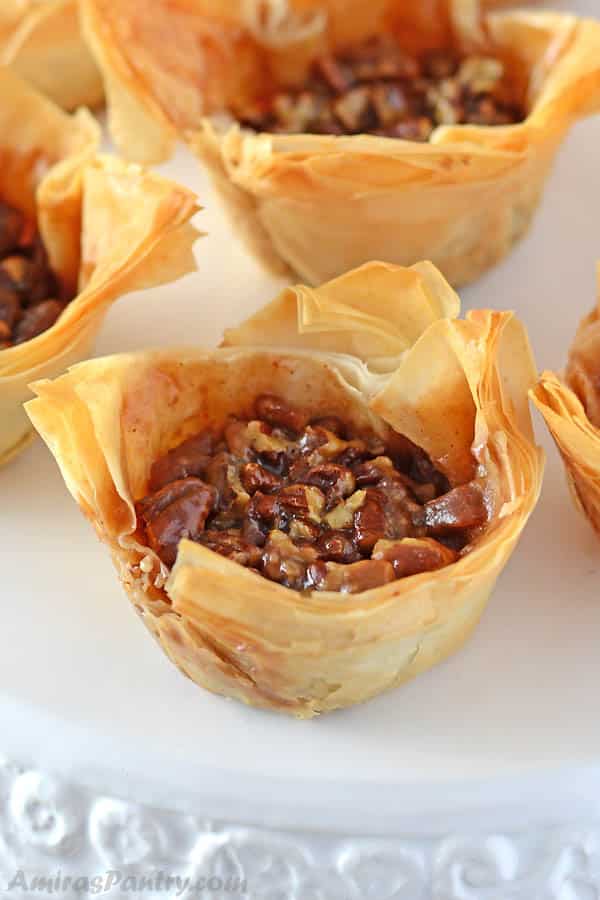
x: 509, y: 723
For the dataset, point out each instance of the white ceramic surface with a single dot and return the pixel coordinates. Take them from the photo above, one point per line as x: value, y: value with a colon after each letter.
x: 505, y: 733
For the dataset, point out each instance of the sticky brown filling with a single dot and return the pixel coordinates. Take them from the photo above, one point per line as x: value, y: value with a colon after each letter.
x: 307, y: 502
x: 377, y: 88
x: 28, y: 287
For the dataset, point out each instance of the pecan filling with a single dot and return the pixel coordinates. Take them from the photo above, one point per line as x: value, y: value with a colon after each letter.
x: 27, y: 284
x: 377, y: 88
x: 307, y: 503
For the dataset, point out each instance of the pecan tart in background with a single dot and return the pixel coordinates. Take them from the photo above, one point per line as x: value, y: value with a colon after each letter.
x: 571, y: 409
x: 317, y: 510
x: 76, y: 232
x: 341, y: 132
x: 41, y: 40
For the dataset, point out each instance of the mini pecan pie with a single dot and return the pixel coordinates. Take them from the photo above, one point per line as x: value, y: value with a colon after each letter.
x: 571, y: 409
x: 318, y: 509
x: 369, y: 130
x: 76, y: 232
x: 41, y: 41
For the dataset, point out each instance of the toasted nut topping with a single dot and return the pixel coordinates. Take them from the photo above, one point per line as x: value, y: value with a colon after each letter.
x: 376, y: 88
x: 280, y: 497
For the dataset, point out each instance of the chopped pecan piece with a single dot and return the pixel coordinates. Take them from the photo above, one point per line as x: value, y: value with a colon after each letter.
x: 342, y: 516
x: 37, y: 319
x: 335, y: 481
x: 220, y: 471
x: 276, y: 411
x: 480, y: 74
x: 17, y: 268
x: 11, y: 226
x: 304, y: 530
x: 179, y: 510
x: 462, y: 507
x: 349, y: 579
x: 255, y: 477
x: 410, y: 556
x: 191, y: 457
x: 263, y: 514
x: 302, y: 500
x: 391, y: 103
x: 315, y: 436
x: 285, y: 562
x: 27, y: 284
x: 353, y: 109
x: 337, y: 546
x: 372, y: 471
x: 370, y: 524
x: 233, y: 546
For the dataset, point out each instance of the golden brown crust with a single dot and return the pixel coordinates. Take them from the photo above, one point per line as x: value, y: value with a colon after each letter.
x: 571, y: 409
x: 320, y: 205
x: 41, y: 41
x: 102, y: 221
x: 228, y: 628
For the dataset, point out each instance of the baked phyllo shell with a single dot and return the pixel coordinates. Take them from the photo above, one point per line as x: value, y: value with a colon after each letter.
x: 571, y: 409
x: 319, y: 205
x: 108, y: 227
x: 41, y: 40
x: 382, y: 348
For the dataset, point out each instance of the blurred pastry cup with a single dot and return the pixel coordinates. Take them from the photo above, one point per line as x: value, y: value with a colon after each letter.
x: 108, y: 227
x: 382, y: 348
x: 571, y: 409
x: 319, y: 204
x: 41, y: 40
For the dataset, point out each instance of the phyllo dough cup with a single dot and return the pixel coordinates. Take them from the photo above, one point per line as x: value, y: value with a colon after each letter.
x: 320, y: 205
x: 382, y: 348
x: 571, y: 410
x: 109, y: 228
x: 41, y: 40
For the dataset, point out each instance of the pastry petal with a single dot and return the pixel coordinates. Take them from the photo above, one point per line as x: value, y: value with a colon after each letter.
x: 41, y: 41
